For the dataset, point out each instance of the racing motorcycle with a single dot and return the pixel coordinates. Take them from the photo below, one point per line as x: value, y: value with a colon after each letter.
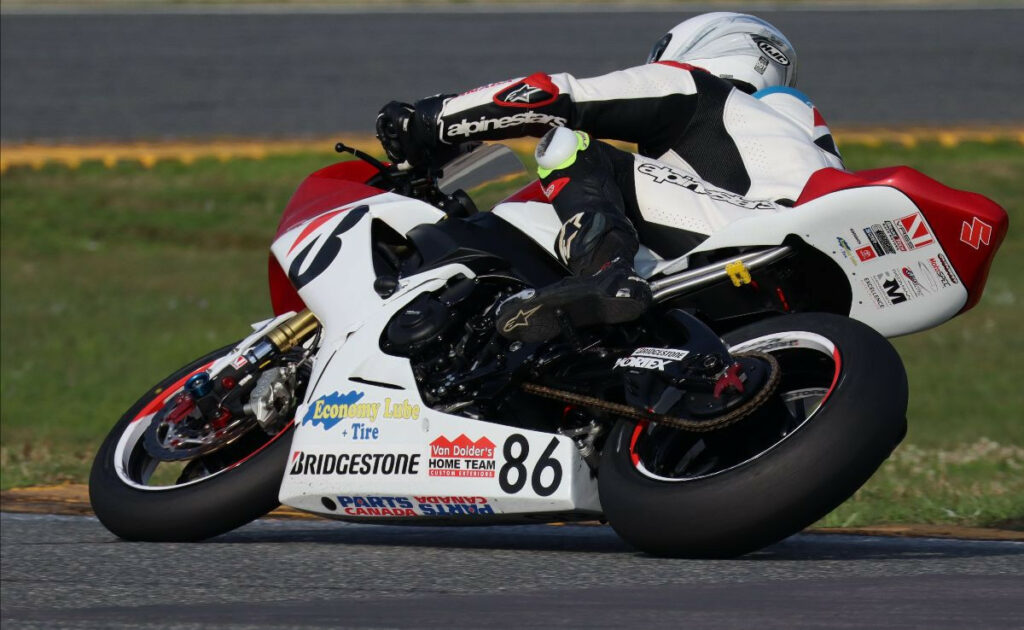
x: 757, y: 394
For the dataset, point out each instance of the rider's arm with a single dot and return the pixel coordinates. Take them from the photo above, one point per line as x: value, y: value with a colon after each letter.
x: 650, y: 105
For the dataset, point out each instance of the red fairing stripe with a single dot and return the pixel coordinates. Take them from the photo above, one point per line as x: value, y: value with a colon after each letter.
x: 329, y: 188
x: 311, y: 227
x: 534, y: 191
x: 947, y: 211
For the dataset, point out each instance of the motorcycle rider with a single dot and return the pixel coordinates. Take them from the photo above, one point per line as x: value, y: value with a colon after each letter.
x: 714, y: 105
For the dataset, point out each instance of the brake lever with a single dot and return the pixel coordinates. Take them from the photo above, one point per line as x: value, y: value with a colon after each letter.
x: 385, y: 170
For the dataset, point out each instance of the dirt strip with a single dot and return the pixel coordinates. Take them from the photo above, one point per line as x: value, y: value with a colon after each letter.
x: 73, y: 499
x: 39, y: 155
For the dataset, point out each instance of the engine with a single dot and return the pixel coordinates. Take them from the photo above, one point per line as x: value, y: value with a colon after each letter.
x: 450, y: 339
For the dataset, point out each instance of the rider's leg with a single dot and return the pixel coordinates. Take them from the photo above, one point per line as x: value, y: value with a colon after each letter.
x: 586, y: 182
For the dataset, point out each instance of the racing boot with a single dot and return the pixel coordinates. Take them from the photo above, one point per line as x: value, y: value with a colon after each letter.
x: 612, y: 295
x: 597, y: 242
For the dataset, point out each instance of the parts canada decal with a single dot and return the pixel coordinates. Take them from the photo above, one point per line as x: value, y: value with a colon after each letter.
x: 414, y: 506
x: 461, y: 457
x: 354, y: 463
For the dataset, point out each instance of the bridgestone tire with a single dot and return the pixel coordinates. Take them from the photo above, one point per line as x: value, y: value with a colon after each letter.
x: 789, y: 486
x: 192, y: 512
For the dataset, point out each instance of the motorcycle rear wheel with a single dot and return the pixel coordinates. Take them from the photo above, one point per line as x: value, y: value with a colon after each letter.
x: 839, y: 411
x: 137, y: 499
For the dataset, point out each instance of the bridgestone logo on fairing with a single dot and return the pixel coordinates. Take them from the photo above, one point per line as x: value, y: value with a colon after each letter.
x: 466, y: 127
x: 354, y: 464
x: 660, y: 173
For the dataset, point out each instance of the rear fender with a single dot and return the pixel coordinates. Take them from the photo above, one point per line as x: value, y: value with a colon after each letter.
x: 899, y: 283
x: 968, y: 226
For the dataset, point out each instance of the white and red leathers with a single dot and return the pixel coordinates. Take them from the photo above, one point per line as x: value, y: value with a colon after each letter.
x: 762, y: 148
x: 708, y: 151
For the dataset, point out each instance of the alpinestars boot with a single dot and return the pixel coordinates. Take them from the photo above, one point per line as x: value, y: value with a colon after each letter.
x: 612, y: 295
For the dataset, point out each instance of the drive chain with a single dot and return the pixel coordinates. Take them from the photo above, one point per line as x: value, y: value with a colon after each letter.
x: 685, y: 424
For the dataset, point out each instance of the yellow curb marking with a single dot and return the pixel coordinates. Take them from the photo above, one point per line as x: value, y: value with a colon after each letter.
x: 37, y: 156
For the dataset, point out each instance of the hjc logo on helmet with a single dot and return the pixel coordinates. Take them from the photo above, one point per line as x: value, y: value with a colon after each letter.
x: 769, y: 49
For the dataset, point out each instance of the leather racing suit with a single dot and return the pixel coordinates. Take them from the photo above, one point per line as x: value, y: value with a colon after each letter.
x: 706, y: 149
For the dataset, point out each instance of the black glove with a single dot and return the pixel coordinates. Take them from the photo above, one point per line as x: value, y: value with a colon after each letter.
x: 393, y: 122
x: 409, y: 133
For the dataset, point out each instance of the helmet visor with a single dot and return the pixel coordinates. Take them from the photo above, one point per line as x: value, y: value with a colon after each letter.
x: 659, y: 48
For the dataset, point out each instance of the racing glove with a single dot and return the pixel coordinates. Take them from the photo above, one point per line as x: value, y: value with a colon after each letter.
x: 408, y: 133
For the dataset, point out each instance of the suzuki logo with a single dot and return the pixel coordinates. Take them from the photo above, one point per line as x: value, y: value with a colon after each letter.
x: 976, y: 233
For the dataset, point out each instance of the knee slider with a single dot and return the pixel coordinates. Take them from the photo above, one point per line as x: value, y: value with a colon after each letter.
x: 558, y: 149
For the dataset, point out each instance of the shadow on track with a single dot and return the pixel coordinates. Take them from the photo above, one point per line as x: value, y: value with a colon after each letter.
x: 602, y: 539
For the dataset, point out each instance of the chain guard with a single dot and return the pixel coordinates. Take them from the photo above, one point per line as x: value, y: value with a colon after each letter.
x: 685, y: 424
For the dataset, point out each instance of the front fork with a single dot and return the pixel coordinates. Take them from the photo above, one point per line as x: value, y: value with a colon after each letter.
x: 228, y: 388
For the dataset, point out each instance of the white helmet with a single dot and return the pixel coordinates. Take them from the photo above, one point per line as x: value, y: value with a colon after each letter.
x: 740, y: 48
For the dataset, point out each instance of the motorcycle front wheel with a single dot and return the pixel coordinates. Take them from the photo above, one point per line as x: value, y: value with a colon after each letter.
x: 141, y: 497
x: 838, y: 412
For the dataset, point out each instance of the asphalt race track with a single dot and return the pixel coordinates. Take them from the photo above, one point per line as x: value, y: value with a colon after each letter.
x: 183, y: 73
x: 68, y: 572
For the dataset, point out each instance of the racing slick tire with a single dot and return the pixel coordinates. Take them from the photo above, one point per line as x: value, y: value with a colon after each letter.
x: 739, y: 493
x: 202, y: 506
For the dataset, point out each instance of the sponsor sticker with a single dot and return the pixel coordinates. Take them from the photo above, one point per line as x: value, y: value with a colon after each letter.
x: 883, y: 239
x: 929, y: 276
x: 461, y: 457
x: 914, y: 282
x: 917, y: 232
x: 354, y: 463
x: 414, y: 506
x: 866, y: 253
x: 331, y: 409
x: 894, y: 236
x: 976, y: 233
x: 651, y: 358
x: 940, y: 273
x: 847, y: 250
x: 949, y: 269
x: 875, y: 293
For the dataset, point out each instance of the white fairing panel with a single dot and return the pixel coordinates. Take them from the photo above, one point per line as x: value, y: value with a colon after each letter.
x: 537, y: 220
x: 900, y: 277
x: 365, y: 444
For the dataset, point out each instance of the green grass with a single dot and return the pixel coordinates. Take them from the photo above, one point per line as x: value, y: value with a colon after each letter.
x: 113, y: 278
